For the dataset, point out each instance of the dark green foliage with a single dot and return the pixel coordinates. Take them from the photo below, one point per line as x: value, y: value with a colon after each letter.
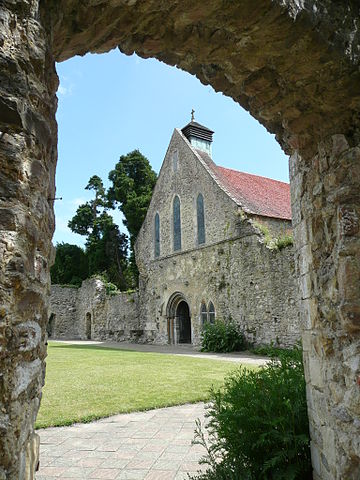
x: 133, y: 181
x: 106, y: 246
x: 70, y: 267
x: 222, y: 336
x: 269, y: 350
x: 258, y: 424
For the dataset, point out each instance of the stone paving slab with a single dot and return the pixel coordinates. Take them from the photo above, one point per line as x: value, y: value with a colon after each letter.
x: 153, y: 445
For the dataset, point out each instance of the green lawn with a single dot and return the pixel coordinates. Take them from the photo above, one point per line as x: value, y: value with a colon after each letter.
x: 86, y: 382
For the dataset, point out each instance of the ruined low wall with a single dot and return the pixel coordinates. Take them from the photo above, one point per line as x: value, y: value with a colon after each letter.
x: 89, y: 312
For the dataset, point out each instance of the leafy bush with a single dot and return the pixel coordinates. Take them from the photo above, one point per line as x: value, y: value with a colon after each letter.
x: 222, y: 336
x: 258, y: 424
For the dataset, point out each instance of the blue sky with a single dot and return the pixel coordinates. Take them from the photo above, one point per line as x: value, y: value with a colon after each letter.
x: 110, y: 104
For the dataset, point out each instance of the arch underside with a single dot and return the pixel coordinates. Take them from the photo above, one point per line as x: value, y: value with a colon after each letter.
x: 295, y: 67
x: 284, y: 63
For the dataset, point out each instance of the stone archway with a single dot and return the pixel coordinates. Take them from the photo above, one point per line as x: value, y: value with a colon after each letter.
x: 184, y: 322
x: 178, y: 320
x: 295, y: 67
x: 51, y: 325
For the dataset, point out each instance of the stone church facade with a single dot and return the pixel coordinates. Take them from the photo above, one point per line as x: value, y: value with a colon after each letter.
x: 201, y: 254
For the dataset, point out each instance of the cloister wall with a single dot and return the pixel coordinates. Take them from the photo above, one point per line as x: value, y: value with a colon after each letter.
x: 113, y: 317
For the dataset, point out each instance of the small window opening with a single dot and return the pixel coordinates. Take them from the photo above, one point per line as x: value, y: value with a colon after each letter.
x: 211, y: 313
x: 203, y: 314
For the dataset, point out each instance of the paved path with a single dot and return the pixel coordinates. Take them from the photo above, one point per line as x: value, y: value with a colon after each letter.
x: 182, y: 350
x: 153, y: 445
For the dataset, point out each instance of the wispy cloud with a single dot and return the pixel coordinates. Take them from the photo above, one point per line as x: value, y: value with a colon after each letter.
x: 76, y: 202
x: 66, y: 87
x: 62, y: 90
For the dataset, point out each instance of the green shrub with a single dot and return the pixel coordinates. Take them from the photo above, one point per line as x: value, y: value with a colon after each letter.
x: 222, y: 336
x: 269, y: 350
x: 284, y: 241
x: 111, y: 288
x: 267, y: 237
x: 258, y: 425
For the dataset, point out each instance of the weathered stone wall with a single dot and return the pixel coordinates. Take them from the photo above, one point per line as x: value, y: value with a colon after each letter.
x: 326, y: 218
x: 63, y: 312
x: 112, y: 316
x: 246, y: 281
x: 27, y: 168
x: 277, y: 227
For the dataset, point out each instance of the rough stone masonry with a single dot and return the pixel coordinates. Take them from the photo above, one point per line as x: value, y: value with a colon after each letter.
x: 295, y: 66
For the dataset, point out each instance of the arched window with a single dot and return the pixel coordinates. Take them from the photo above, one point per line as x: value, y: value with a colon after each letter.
x: 211, y: 313
x: 157, y: 235
x: 177, y: 224
x: 200, y: 219
x: 203, y: 313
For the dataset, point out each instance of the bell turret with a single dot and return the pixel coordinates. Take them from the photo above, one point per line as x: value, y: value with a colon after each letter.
x: 199, y: 136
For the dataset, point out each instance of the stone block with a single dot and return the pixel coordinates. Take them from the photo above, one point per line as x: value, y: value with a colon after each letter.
x: 350, y: 317
x: 348, y: 277
x: 305, y: 286
x: 305, y: 259
x: 339, y: 145
x: 310, y: 313
x: 32, y: 457
x: 315, y: 459
x: 300, y: 234
x: 329, y: 447
x: 7, y: 219
x: 349, y: 220
x: 316, y: 373
x: 25, y: 374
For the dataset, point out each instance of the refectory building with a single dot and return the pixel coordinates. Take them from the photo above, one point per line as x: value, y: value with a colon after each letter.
x: 208, y: 249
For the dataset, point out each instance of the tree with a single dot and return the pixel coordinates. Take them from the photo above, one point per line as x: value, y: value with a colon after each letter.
x: 71, y: 265
x: 106, y: 246
x: 133, y: 181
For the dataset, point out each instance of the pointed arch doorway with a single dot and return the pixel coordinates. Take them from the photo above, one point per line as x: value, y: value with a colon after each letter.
x: 178, y: 320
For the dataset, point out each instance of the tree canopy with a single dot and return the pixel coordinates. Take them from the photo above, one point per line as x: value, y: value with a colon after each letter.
x: 106, y: 246
x: 133, y: 181
x: 71, y: 265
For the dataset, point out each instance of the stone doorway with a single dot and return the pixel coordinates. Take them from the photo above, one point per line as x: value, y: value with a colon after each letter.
x: 88, y: 326
x: 51, y: 325
x: 178, y: 320
x: 183, y: 322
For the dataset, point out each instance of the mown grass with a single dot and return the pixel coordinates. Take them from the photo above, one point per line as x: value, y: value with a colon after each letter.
x: 87, y: 382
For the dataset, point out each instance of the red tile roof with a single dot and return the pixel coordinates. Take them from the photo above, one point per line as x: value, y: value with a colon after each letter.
x: 257, y: 195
